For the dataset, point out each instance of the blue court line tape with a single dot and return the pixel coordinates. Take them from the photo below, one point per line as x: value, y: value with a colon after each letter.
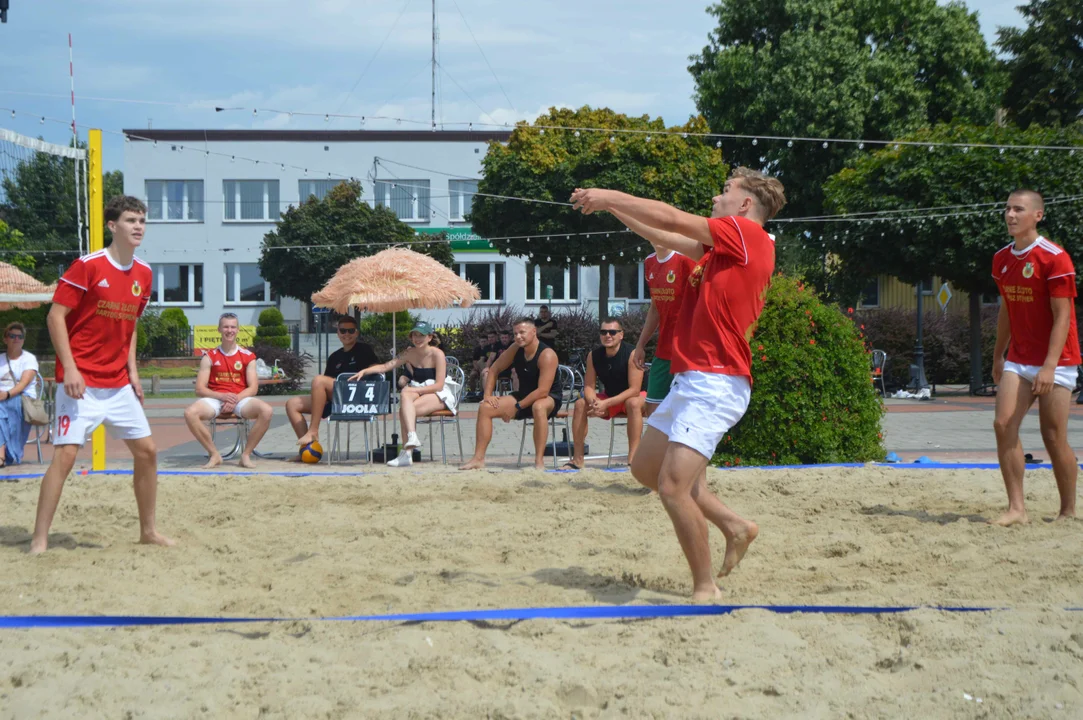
x: 604, y: 612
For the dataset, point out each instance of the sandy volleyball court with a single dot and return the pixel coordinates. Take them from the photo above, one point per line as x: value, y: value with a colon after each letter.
x: 432, y: 539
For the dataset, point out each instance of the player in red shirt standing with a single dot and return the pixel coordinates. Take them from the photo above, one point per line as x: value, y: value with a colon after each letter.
x: 1037, y: 326
x: 711, y: 358
x: 666, y: 272
x: 92, y: 326
x: 227, y: 384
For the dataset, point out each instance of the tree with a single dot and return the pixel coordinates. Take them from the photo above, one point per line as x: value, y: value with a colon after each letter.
x: 838, y: 68
x: 13, y: 245
x: 960, y: 247
x: 40, y: 203
x: 325, y: 235
x: 550, y: 164
x: 1046, y: 65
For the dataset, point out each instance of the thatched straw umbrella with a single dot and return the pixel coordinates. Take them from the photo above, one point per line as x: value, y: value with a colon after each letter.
x: 393, y: 280
x: 19, y: 290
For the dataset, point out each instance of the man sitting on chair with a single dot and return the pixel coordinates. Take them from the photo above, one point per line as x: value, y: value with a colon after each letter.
x: 227, y: 384
x: 350, y: 358
x: 614, y: 365
x: 538, y: 395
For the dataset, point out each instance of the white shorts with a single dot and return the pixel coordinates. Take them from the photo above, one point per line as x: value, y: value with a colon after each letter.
x: 701, y: 408
x: 216, y: 405
x: 117, y: 408
x: 1065, y: 376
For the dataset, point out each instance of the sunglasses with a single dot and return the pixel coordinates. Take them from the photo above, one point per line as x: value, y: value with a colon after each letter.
x: 347, y: 331
x: 15, y: 336
x: 610, y: 333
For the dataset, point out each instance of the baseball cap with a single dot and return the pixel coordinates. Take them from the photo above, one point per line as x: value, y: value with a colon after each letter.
x: 422, y: 327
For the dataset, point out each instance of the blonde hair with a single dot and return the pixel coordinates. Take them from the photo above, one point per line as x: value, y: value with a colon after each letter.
x: 768, y: 191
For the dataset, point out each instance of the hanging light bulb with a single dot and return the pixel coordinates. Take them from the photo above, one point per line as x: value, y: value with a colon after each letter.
x: 577, y: 133
x: 648, y: 138
x: 12, y: 114
x: 603, y: 258
x: 966, y: 149
x: 1036, y: 151
x: 612, y: 139
x: 1001, y: 151
x: 43, y: 121
x: 789, y: 143
x: 825, y: 145
x: 547, y: 258
x: 622, y: 253
x: 896, y: 146
x: 718, y: 144
x: 861, y: 146
x: 542, y: 131
x: 930, y: 148
x: 255, y: 111
x: 755, y: 141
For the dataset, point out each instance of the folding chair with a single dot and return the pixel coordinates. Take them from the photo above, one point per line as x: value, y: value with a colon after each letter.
x: 40, y: 430
x: 566, y: 377
x: 234, y: 421
x: 445, y: 416
x: 613, y: 425
x: 334, y: 440
x: 879, y: 364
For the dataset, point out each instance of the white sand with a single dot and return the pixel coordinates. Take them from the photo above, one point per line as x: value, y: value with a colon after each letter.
x: 434, y: 539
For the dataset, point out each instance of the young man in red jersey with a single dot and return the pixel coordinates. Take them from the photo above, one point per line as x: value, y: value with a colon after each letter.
x: 227, y: 383
x: 92, y: 325
x: 1036, y: 325
x: 666, y: 272
x: 711, y: 358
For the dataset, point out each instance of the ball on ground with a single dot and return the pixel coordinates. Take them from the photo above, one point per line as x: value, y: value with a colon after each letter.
x: 312, y: 453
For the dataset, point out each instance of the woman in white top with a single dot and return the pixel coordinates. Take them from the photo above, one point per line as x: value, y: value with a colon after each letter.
x: 429, y: 389
x: 18, y: 370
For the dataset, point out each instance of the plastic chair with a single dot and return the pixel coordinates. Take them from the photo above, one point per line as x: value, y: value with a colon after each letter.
x: 566, y: 378
x: 879, y: 364
x: 444, y: 416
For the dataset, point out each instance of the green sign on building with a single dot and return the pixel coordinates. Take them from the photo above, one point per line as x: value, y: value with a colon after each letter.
x: 463, y: 239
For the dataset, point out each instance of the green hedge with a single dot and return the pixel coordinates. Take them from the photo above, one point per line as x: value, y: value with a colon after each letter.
x: 812, y: 395
x: 272, y: 329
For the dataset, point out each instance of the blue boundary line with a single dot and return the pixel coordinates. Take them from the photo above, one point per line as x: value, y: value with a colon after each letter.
x: 605, y: 612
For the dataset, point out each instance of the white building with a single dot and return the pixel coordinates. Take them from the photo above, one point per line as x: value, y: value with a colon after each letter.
x: 213, y: 194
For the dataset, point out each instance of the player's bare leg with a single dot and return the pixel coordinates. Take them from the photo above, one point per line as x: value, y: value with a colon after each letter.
x: 541, y: 429
x: 484, y: 429
x: 321, y: 393
x: 195, y: 415
x: 633, y: 408
x: 49, y: 494
x: 296, y: 406
x: 259, y: 413
x: 1053, y: 417
x: 738, y: 531
x: 680, y: 471
x: 1013, y: 400
x: 579, y: 432
x: 145, y: 482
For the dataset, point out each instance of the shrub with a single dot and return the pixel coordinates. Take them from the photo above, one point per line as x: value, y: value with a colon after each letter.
x: 460, y: 338
x: 272, y: 329
x: 946, y: 342
x: 175, y: 316
x: 292, y: 364
x: 812, y: 399
x: 161, y: 335
x: 376, y: 329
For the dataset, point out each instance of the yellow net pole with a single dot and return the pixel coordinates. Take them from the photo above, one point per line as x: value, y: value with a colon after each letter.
x: 96, y: 221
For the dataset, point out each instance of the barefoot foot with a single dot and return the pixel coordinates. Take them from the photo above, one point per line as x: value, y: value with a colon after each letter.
x: 707, y: 594
x: 37, y: 547
x: 737, y: 546
x: 473, y: 464
x: 1012, y: 517
x: 214, y: 462
x: 156, y: 538
x: 246, y: 461
x: 1065, y: 516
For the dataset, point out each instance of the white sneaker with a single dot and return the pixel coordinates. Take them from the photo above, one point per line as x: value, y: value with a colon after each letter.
x: 405, y: 459
x: 412, y: 441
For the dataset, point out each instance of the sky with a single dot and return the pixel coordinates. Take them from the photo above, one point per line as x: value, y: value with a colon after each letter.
x: 168, y: 63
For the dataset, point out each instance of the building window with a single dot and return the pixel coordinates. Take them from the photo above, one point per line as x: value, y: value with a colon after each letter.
x: 462, y: 197
x: 409, y: 199
x: 244, y: 284
x: 315, y: 188
x: 565, y: 282
x: 489, y: 277
x: 175, y: 200
x: 870, y: 294
x: 251, y: 200
x: 177, y: 284
x: 626, y: 281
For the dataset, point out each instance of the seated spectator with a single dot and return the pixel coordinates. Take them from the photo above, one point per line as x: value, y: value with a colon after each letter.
x: 613, y: 365
x: 429, y: 390
x: 350, y: 358
x: 496, y: 351
x: 480, y: 360
x: 539, y: 394
x: 18, y: 371
x: 227, y: 385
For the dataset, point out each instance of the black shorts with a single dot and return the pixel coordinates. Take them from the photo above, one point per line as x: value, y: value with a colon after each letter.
x: 527, y: 413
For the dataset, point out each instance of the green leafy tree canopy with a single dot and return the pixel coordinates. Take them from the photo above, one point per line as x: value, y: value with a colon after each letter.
x: 321, y: 233
x: 1046, y: 65
x: 838, y: 68
x: 13, y: 243
x: 550, y: 164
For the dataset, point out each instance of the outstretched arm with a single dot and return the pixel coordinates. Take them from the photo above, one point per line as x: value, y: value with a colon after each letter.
x: 661, y: 240
x: 651, y: 213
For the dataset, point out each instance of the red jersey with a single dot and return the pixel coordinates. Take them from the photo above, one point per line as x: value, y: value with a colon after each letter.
x: 106, y: 300
x: 667, y: 280
x: 724, y: 299
x: 1027, y: 279
x: 228, y: 371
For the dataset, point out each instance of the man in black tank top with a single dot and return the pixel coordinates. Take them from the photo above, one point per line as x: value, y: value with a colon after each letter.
x: 622, y: 379
x: 538, y: 396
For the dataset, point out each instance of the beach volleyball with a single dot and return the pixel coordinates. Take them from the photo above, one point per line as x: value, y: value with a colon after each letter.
x: 312, y: 453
